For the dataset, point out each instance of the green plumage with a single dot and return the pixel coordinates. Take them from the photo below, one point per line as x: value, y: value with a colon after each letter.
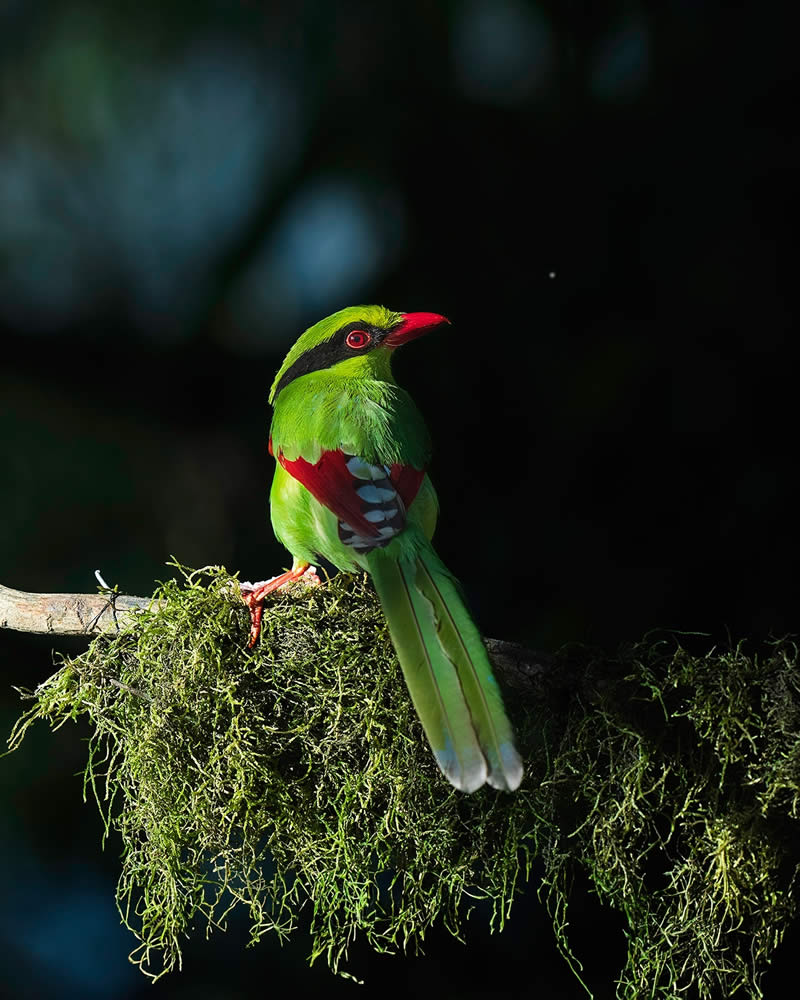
x: 352, y: 405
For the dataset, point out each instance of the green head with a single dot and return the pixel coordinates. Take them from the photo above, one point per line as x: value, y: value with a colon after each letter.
x: 356, y: 341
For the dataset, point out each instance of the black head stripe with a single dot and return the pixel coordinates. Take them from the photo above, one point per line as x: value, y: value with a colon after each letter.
x: 329, y: 352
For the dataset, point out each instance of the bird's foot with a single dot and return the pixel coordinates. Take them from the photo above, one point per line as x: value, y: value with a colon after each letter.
x: 253, y: 594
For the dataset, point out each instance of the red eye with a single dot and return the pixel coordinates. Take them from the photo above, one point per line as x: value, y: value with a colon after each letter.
x: 358, y: 339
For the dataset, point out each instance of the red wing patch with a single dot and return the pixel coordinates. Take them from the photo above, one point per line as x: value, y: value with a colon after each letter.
x: 370, y: 501
x: 331, y: 482
x: 407, y: 481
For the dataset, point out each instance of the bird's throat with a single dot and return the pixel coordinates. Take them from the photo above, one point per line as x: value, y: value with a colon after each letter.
x: 376, y: 365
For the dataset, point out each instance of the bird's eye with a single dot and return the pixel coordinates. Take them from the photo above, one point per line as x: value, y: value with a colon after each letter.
x: 358, y: 339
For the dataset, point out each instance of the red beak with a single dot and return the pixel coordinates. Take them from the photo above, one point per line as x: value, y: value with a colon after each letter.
x: 413, y: 326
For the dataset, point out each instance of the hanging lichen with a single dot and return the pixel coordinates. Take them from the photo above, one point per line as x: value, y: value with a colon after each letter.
x: 296, y: 776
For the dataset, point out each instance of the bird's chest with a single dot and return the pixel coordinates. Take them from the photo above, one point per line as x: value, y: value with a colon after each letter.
x: 378, y: 422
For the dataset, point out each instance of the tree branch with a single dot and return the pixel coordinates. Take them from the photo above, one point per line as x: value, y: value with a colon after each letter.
x: 90, y: 614
x: 65, y: 614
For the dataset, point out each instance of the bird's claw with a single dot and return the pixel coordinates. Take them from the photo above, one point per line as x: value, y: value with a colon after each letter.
x: 253, y: 594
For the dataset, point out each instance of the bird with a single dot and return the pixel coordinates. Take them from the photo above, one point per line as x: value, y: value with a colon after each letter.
x: 351, y: 487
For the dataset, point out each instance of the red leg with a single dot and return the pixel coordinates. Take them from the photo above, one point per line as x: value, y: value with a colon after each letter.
x: 254, y: 599
x: 256, y: 614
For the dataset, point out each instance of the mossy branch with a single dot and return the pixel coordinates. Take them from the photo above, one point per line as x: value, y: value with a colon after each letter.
x: 92, y: 614
x: 295, y: 777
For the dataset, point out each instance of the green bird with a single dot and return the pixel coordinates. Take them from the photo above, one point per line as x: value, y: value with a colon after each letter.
x: 351, y: 487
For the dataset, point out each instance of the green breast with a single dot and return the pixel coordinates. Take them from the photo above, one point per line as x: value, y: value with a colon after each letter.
x: 371, y: 418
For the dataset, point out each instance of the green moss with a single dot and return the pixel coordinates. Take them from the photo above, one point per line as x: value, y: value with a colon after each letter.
x: 295, y: 777
x: 680, y: 778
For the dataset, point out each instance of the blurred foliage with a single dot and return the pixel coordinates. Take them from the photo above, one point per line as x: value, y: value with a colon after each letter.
x: 296, y: 777
x: 596, y: 196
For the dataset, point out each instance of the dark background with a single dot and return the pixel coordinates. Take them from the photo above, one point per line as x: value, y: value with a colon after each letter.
x: 602, y: 198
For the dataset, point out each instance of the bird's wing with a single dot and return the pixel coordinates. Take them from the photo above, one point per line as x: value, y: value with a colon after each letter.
x: 369, y: 500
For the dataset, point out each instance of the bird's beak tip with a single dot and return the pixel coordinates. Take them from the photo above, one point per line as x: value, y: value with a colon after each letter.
x: 413, y: 325
x: 424, y: 319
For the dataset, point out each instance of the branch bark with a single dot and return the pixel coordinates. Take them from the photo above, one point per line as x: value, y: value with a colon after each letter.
x: 90, y: 614
x: 65, y: 614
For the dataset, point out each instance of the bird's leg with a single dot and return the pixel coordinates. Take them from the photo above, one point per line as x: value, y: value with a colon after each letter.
x: 253, y: 594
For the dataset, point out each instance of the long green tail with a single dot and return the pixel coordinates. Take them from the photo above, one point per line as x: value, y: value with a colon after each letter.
x: 447, y: 671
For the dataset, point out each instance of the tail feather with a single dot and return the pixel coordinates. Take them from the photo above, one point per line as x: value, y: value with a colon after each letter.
x: 463, y: 645
x: 432, y: 679
x: 447, y: 671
